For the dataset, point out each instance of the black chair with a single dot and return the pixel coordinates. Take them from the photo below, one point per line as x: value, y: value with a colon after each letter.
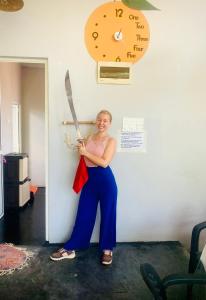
x: 196, y: 272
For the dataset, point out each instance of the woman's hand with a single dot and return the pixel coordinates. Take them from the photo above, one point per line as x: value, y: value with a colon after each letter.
x: 81, y: 148
x: 106, y: 157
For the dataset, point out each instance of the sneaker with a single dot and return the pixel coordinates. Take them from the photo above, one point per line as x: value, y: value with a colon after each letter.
x: 107, y: 258
x: 62, y: 254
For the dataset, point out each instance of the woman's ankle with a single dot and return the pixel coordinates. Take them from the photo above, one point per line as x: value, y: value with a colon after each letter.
x: 107, y: 252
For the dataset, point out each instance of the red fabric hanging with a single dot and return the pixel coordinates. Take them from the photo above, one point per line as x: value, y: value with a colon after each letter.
x: 81, y: 175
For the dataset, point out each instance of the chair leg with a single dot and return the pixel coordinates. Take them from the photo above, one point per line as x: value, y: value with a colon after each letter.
x: 153, y: 281
x: 189, y: 291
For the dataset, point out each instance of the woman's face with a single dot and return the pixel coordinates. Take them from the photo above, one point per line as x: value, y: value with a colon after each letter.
x: 103, y: 122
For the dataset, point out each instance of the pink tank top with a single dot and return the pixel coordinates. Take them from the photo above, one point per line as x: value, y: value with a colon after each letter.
x: 95, y: 147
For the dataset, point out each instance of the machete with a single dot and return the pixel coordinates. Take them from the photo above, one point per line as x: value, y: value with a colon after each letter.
x: 71, y: 105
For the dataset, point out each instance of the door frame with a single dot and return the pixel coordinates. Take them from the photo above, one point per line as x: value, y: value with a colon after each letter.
x: 1, y: 167
x: 36, y: 60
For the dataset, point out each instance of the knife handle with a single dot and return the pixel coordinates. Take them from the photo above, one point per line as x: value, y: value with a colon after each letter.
x: 80, y: 141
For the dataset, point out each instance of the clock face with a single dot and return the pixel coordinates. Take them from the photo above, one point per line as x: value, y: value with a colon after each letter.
x: 115, y: 32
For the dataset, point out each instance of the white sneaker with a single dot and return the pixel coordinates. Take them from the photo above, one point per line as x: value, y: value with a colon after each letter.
x: 62, y: 254
x: 106, y: 258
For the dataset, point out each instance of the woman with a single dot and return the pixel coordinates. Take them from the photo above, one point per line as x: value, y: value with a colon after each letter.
x: 98, y: 151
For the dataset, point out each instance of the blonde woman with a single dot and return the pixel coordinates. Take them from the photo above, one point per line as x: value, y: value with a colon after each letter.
x: 98, y: 151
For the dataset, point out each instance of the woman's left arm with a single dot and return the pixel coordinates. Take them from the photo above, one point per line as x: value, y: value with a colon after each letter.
x: 106, y: 157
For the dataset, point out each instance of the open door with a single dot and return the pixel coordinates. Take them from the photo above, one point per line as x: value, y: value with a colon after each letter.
x: 1, y: 165
x: 24, y: 143
x: 1, y: 187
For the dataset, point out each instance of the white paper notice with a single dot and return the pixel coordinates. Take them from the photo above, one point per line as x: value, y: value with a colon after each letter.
x: 132, y: 136
x: 131, y: 142
x: 133, y: 124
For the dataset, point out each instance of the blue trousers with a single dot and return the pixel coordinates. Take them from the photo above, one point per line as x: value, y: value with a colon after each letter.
x: 100, y: 187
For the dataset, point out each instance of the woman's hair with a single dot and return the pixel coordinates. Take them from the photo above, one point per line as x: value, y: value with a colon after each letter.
x: 106, y: 112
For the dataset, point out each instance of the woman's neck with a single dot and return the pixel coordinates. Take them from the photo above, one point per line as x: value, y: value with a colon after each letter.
x: 100, y: 135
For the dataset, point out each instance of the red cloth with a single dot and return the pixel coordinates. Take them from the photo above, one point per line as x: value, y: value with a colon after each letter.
x: 81, y: 176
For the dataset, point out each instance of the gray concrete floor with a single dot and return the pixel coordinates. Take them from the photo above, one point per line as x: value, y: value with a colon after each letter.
x: 84, y: 278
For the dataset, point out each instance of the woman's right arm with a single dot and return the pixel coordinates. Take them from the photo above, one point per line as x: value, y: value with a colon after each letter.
x: 106, y: 157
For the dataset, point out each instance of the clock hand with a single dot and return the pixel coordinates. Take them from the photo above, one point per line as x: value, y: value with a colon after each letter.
x: 119, y: 33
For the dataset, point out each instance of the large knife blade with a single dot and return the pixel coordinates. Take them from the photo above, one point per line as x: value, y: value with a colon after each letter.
x: 71, y: 104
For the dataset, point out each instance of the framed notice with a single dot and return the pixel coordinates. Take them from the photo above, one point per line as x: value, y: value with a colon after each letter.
x: 114, y: 72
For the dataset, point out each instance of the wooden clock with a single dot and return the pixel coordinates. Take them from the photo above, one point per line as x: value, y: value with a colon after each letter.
x: 116, y: 33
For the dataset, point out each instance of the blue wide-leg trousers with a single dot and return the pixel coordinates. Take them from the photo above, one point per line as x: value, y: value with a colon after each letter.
x: 100, y: 187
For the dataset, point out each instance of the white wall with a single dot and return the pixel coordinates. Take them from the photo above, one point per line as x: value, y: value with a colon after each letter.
x: 33, y: 122
x: 162, y: 192
x: 10, y: 79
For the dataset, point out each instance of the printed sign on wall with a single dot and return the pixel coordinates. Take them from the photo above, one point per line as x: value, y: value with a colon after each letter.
x: 132, y: 136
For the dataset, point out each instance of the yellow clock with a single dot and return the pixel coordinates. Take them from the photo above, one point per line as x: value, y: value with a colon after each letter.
x: 116, y: 33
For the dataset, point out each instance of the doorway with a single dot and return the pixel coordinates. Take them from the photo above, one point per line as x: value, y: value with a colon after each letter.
x: 24, y: 138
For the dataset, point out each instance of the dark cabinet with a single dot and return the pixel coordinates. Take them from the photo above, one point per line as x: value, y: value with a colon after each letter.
x: 16, y: 180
